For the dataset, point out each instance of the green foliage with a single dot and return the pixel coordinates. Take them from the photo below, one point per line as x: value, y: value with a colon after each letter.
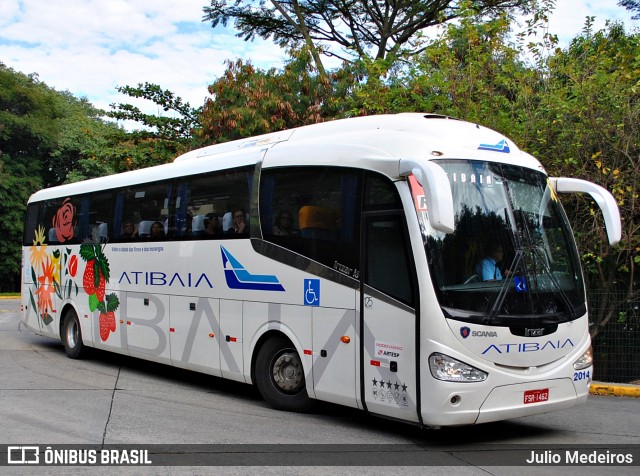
x: 176, y: 127
x: 247, y: 101
x: 588, y: 127
x: 352, y: 30
x: 575, y: 109
x: 29, y: 131
x: 45, y: 137
x: 631, y: 5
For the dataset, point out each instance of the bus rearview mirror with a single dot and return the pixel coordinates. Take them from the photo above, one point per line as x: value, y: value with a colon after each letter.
x: 438, y: 195
x: 603, y: 198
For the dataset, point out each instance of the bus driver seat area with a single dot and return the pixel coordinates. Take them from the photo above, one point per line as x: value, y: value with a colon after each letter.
x: 318, y: 222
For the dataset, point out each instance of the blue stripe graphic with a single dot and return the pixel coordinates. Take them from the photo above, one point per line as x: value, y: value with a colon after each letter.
x: 239, y: 278
x: 501, y: 146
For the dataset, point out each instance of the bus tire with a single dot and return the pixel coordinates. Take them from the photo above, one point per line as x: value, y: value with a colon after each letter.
x: 72, y: 335
x: 280, y: 376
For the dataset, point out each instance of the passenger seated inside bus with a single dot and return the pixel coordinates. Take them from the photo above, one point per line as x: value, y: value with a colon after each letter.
x: 128, y: 230
x: 318, y: 222
x: 157, y: 231
x: 240, y: 226
x: 284, y: 225
x: 211, y: 224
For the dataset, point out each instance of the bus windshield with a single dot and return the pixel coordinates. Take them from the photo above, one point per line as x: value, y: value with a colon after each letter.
x: 511, y: 258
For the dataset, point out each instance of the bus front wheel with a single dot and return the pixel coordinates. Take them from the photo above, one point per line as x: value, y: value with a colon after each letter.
x: 280, y: 376
x: 72, y: 335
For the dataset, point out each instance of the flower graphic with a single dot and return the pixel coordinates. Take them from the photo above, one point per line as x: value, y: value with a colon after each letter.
x: 57, y: 266
x: 63, y: 221
x: 72, y: 267
x: 38, y: 250
x: 52, y: 274
x: 45, y: 289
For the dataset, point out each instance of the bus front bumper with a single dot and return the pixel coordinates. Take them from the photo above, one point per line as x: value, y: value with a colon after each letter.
x: 532, y: 398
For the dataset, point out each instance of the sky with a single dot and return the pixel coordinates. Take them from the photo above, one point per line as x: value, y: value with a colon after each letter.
x: 89, y: 47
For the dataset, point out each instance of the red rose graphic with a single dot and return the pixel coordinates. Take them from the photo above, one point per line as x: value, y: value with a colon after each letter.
x: 73, y: 266
x: 63, y: 221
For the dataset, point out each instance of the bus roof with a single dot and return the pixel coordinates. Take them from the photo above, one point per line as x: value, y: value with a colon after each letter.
x: 373, y: 142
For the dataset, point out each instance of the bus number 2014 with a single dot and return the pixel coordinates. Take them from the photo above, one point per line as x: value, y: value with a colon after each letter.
x: 583, y: 375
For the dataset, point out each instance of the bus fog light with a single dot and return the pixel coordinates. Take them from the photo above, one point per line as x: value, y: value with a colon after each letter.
x: 449, y: 369
x: 586, y: 360
x: 455, y: 400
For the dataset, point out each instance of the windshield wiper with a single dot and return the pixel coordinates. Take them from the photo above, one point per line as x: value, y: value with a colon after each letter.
x: 506, y: 283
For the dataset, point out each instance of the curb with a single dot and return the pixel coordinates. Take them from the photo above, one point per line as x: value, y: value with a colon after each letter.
x: 614, y: 389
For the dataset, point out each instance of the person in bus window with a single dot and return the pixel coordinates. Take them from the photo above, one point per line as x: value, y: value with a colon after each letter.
x: 284, y: 224
x: 240, y: 222
x: 128, y: 230
x: 211, y: 224
x: 487, y: 268
x: 157, y: 231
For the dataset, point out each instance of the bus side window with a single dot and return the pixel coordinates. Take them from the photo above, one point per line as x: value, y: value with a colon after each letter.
x: 322, y: 206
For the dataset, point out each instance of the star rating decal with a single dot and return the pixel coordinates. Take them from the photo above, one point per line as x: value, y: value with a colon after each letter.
x: 389, y: 384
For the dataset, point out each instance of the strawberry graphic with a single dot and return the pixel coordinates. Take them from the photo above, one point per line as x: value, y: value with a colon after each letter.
x: 94, y: 282
x: 107, y: 317
x: 96, y: 273
x: 100, y: 290
x: 88, y: 278
x: 104, y: 327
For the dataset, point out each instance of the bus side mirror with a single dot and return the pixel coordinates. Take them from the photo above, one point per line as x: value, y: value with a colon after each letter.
x: 603, y: 198
x: 437, y: 189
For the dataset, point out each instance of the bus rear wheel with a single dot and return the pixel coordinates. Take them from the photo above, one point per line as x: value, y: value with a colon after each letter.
x: 72, y: 335
x: 280, y: 376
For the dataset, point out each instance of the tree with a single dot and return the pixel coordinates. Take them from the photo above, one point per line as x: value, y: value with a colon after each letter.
x: 159, y: 140
x: 381, y: 29
x: 45, y: 136
x: 174, y: 128
x: 631, y: 5
x: 587, y: 126
x: 576, y: 110
x: 247, y: 101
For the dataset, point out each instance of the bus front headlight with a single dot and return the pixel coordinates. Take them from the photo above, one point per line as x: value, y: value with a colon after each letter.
x: 586, y: 360
x: 449, y: 369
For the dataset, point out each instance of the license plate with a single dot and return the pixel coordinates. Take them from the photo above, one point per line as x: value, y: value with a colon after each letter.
x: 536, y: 396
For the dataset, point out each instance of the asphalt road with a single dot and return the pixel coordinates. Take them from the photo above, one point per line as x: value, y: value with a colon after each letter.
x: 48, y: 399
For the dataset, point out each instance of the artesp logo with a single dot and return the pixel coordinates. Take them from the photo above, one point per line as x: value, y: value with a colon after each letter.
x: 464, y: 332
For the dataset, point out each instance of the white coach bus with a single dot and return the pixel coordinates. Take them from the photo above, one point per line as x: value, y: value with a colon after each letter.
x: 348, y: 261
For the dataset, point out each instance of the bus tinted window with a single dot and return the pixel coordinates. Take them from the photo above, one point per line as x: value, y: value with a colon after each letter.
x: 314, y: 211
x: 380, y: 194
x: 146, y: 207
x: 93, y: 217
x: 206, y: 204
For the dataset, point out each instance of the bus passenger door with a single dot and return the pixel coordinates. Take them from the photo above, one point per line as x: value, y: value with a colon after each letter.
x: 388, y: 316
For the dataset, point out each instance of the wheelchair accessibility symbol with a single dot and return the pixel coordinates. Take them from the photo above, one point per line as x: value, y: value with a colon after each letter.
x: 311, y: 292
